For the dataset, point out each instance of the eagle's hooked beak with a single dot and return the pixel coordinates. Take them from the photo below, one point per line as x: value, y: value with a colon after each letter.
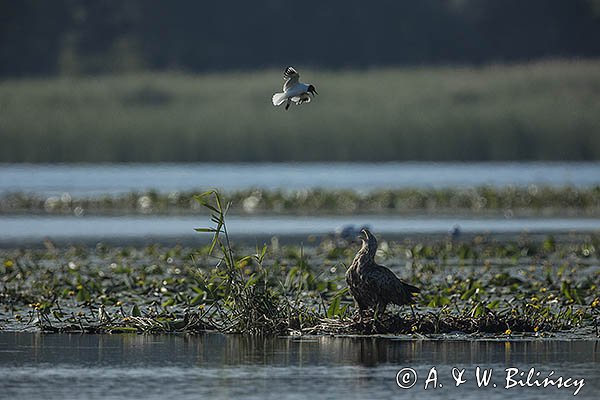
x: 363, y: 235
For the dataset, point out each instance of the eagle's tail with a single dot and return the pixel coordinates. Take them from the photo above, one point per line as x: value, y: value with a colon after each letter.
x: 406, y: 294
x: 411, y: 288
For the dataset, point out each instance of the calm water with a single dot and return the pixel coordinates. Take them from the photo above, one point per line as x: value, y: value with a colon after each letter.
x: 19, y: 228
x: 36, y: 366
x: 94, y: 179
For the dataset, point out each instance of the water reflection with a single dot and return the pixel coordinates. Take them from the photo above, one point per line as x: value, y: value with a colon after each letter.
x: 135, y: 366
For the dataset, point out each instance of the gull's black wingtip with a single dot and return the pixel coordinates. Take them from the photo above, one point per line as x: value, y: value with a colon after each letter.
x: 289, y: 71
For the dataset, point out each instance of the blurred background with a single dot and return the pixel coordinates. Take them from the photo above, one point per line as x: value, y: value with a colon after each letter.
x: 146, y: 81
x: 452, y: 107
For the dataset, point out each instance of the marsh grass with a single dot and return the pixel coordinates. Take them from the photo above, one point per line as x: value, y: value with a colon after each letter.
x: 544, y: 110
x: 478, y: 286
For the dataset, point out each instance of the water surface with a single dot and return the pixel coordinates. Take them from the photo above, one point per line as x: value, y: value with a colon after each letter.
x: 18, y: 228
x: 97, y: 179
x: 37, y: 366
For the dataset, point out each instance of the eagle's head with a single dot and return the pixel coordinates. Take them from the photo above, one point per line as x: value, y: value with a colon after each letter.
x: 368, y: 238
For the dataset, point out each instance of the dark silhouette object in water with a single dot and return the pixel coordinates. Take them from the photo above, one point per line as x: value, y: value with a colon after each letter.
x: 374, y: 286
x: 455, y: 232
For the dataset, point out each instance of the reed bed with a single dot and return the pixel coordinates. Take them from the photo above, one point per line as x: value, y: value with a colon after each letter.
x: 547, y: 110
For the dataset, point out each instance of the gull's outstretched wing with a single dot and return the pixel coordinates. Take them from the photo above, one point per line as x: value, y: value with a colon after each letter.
x: 291, y: 77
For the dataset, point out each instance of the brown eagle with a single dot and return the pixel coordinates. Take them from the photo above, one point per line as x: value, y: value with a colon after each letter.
x: 374, y: 286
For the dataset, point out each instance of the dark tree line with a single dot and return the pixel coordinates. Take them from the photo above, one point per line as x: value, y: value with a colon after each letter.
x: 39, y: 37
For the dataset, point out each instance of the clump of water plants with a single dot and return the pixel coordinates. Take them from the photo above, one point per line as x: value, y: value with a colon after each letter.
x: 241, y: 289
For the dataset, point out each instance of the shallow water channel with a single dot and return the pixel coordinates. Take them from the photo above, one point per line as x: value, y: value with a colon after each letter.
x: 38, y: 366
x: 23, y: 229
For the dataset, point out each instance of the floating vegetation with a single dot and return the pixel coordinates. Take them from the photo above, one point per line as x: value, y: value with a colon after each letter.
x: 476, y: 285
x: 508, y: 201
x: 154, y: 289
